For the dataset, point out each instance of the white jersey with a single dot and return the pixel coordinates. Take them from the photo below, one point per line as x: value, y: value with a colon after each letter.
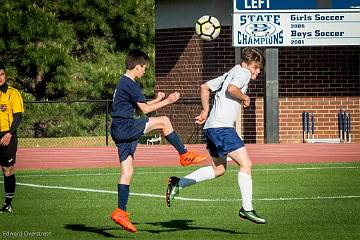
x: 226, y: 108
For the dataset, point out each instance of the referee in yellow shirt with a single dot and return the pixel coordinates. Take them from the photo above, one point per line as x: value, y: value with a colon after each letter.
x: 11, y: 109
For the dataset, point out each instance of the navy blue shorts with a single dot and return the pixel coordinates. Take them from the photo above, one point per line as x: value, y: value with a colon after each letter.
x: 126, y: 133
x: 221, y: 141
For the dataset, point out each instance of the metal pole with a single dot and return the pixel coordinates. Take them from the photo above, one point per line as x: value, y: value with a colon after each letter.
x: 272, y: 96
x: 106, y: 123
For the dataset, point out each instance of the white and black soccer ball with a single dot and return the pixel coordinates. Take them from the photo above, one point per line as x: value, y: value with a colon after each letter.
x: 208, y: 27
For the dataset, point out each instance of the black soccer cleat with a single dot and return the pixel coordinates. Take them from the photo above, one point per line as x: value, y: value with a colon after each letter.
x: 252, y: 216
x: 6, y: 208
x: 172, y: 190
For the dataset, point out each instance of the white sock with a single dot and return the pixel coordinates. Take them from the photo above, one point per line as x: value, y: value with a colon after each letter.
x: 202, y: 174
x: 245, y: 184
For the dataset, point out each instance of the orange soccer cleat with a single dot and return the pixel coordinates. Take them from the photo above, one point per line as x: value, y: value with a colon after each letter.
x: 190, y: 157
x: 122, y: 218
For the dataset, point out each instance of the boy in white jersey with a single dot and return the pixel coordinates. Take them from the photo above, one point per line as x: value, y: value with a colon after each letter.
x: 221, y: 137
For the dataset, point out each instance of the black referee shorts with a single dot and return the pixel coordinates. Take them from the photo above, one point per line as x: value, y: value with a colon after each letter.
x: 8, y: 153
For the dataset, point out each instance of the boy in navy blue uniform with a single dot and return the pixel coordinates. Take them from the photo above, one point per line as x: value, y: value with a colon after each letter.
x: 126, y: 130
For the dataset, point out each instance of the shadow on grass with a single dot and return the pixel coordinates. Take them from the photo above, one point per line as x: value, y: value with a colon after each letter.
x: 169, y: 226
x: 98, y: 230
x: 185, y: 225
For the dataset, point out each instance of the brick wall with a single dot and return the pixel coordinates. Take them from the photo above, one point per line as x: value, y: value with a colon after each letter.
x: 322, y: 80
x: 183, y: 62
x: 325, y: 109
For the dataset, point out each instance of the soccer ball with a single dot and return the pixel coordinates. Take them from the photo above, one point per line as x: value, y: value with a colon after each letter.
x: 207, y: 27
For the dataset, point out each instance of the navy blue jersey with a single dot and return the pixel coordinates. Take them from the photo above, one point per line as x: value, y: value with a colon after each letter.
x: 126, y: 96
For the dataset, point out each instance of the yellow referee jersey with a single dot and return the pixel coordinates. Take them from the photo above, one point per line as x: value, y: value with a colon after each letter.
x: 10, y: 102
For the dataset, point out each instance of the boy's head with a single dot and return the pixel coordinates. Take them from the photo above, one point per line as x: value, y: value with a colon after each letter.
x: 136, y: 57
x: 253, y: 60
x: 136, y: 61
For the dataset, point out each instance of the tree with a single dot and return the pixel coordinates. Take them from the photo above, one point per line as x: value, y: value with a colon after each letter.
x: 73, y: 49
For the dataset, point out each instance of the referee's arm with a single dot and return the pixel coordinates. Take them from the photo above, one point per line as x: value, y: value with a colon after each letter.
x: 16, y: 122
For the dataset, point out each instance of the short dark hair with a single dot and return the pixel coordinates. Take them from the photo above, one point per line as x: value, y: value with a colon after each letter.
x: 251, y: 54
x: 2, y: 66
x: 136, y: 57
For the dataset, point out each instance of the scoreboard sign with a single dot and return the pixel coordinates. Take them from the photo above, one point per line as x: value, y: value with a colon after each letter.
x: 241, y: 5
x: 273, y: 23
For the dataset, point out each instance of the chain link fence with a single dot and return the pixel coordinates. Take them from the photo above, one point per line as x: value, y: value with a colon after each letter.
x: 71, y: 123
x: 87, y: 123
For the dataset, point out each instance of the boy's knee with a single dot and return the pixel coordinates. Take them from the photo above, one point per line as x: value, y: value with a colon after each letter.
x: 130, y: 173
x: 219, y: 171
x: 246, y: 167
x: 127, y: 173
x: 220, y: 174
x: 165, y: 121
x: 125, y: 178
x: 248, y: 164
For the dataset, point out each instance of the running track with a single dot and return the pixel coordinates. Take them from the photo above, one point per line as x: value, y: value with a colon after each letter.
x: 165, y: 155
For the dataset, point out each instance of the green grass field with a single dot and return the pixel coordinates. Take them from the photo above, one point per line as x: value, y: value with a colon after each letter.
x: 311, y: 201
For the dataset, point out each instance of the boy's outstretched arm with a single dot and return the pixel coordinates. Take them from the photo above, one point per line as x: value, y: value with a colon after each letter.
x: 157, y: 104
x: 205, y: 96
x: 160, y: 96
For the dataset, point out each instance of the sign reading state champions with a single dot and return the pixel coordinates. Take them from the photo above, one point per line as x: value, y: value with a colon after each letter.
x: 257, y: 23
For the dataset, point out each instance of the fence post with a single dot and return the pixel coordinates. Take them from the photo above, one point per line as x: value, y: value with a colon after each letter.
x: 106, y: 124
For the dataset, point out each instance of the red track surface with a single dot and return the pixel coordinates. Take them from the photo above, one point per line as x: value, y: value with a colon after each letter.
x: 165, y: 155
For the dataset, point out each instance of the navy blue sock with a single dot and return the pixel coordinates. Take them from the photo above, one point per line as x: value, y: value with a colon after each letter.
x: 123, y: 196
x: 174, y: 140
x: 9, y: 187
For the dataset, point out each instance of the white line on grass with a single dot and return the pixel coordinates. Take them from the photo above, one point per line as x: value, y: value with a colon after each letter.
x: 184, y: 172
x: 184, y: 198
x: 306, y: 168
x: 66, y: 175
